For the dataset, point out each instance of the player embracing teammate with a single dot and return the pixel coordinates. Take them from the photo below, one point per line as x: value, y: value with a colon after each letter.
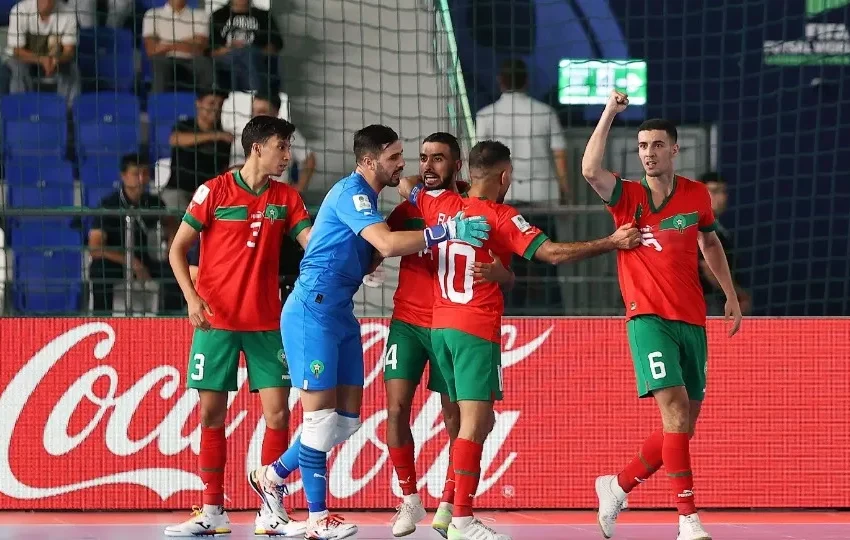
x: 408, y: 347
x: 665, y: 306
x: 466, y: 319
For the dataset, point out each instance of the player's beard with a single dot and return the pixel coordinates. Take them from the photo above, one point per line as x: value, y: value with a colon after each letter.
x: 445, y: 182
x: 387, y: 179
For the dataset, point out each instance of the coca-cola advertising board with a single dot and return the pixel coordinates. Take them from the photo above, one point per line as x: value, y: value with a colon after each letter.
x: 94, y: 414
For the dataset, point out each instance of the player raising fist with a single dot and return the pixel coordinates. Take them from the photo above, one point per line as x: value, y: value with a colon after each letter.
x: 241, y: 217
x: 466, y: 321
x: 664, y: 303
x: 321, y: 336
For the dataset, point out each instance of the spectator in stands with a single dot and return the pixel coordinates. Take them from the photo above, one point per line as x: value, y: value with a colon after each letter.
x: 532, y: 131
x: 176, y: 38
x: 107, y: 240
x: 714, y: 298
x: 200, y: 150
x: 91, y: 13
x: 41, y: 49
x: 245, y: 42
x: 302, y: 156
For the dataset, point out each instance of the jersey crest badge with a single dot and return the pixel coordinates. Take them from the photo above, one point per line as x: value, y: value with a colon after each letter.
x: 362, y: 203
x: 201, y: 194
x: 317, y: 368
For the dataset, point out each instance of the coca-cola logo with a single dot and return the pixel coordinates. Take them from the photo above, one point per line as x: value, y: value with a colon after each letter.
x: 94, y: 389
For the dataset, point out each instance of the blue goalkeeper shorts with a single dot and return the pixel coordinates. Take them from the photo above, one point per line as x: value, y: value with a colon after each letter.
x: 323, y: 349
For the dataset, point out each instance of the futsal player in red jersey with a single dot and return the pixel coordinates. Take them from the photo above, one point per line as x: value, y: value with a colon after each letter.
x: 409, y: 342
x: 665, y: 306
x: 241, y: 217
x: 466, y: 322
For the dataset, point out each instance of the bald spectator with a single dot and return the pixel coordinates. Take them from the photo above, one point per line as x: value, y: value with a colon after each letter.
x: 532, y: 131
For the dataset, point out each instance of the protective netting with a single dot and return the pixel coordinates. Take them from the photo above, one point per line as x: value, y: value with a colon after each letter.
x: 759, y: 94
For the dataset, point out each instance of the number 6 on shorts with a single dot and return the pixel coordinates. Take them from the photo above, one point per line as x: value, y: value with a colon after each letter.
x: 657, y: 367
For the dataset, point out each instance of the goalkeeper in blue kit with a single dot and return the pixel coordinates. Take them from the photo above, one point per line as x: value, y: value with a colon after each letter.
x: 321, y: 336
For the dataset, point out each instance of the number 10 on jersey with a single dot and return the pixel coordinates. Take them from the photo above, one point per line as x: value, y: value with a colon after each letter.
x: 448, y: 257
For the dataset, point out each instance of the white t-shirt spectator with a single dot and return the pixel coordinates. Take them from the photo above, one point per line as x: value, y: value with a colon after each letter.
x: 531, y: 129
x: 28, y: 29
x: 172, y: 26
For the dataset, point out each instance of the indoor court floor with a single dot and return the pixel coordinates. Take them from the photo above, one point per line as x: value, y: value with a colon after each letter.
x: 633, y: 525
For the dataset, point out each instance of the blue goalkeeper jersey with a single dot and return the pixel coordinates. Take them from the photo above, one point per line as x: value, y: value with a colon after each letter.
x: 337, y: 257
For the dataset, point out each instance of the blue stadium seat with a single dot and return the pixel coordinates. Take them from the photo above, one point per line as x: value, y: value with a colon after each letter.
x: 48, y: 270
x: 106, y: 122
x: 34, y: 124
x: 45, y: 171
x: 164, y: 110
x: 6, y: 7
x: 93, y: 195
x: 106, y: 56
x: 34, y: 196
x: 101, y: 171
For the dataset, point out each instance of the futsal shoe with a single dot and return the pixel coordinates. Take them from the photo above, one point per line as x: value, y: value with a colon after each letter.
x: 690, y: 528
x: 410, y: 512
x: 329, y: 527
x: 443, y: 518
x: 475, y: 530
x: 612, y: 500
x: 272, y: 519
x: 201, y: 523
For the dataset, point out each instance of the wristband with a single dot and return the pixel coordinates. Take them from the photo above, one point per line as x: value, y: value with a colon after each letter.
x: 414, y: 193
x: 436, y: 234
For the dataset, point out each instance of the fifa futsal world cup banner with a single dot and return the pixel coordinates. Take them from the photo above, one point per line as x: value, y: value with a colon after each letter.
x: 94, y: 414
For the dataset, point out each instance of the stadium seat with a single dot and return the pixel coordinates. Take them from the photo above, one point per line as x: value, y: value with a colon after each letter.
x: 164, y: 110
x: 46, y: 171
x: 48, y: 278
x: 101, y: 171
x: 34, y: 124
x: 35, y: 196
x: 3, y: 272
x: 107, y: 57
x: 93, y: 195
x: 106, y: 123
x: 6, y: 7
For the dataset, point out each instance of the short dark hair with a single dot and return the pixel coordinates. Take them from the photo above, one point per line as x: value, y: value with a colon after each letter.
x: 513, y: 74
x: 712, y: 176
x: 445, y: 138
x: 134, y: 160
x: 262, y: 128
x: 488, y: 154
x: 372, y: 140
x: 271, y: 97
x: 660, y: 124
x: 201, y: 93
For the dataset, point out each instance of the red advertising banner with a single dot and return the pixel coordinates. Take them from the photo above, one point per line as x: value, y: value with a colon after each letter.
x: 94, y: 414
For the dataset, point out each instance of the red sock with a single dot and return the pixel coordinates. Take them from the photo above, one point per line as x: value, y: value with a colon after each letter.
x: 644, y: 464
x: 467, y: 463
x: 211, y: 462
x: 677, y: 461
x: 404, y: 462
x: 275, y: 443
x: 449, y: 487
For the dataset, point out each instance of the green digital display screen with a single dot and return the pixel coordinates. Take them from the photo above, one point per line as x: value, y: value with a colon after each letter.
x: 589, y: 82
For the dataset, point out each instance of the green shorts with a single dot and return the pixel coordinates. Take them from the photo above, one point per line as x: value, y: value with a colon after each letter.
x: 471, y: 366
x: 408, y: 350
x: 667, y: 354
x: 214, y: 360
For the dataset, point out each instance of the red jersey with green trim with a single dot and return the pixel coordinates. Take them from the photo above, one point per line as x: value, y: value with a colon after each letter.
x: 460, y: 305
x: 413, y: 301
x: 241, y: 235
x: 661, y: 276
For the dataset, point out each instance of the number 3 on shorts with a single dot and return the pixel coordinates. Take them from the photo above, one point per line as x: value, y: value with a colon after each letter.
x: 657, y: 368
x: 198, y: 374
x: 390, y: 358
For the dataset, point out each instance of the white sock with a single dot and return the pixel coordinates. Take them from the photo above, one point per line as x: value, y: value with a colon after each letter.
x: 275, y: 478
x: 446, y: 506
x: 461, y: 522
x: 413, y: 499
x: 316, y: 516
x: 213, y: 509
x: 617, y: 490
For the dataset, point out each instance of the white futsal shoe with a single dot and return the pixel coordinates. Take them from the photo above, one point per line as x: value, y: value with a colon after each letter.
x: 328, y: 527
x: 475, y: 530
x: 202, y: 523
x: 272, y: 519
x: 690, y: 528
x: 612, y: 500
x: 410, y: 512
